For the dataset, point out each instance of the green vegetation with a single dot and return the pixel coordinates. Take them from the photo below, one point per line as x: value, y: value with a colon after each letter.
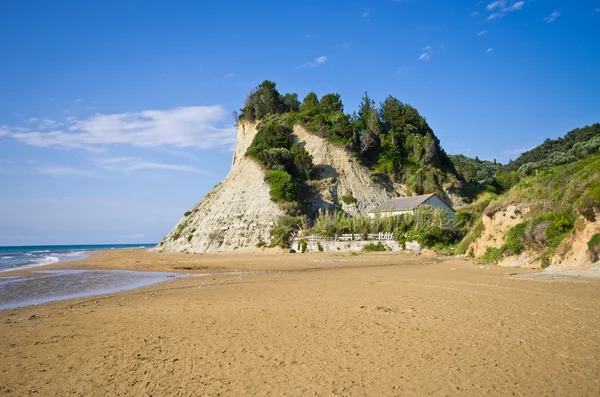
x: 303, y: 245
x: 187, y: 213
x: 594, y: 247
x: 348, y: 200
x: 515, y: 239
x: 430, y: 227
x: 283, y: 186
x: 283, y: 231
x: 392, y: 139
x: 491, y: 257
x: 471, y: 236
x: 573, y: 146
x: 371, y: 247
x: 261, y: 244
x: 319, y: 247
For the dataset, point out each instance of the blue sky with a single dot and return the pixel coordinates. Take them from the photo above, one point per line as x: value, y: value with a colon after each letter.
x: 115, y: 116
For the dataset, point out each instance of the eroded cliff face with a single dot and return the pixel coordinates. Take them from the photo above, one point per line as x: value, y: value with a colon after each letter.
x: 237, y: 213
x: 337, y: 175
x: 571, y: 254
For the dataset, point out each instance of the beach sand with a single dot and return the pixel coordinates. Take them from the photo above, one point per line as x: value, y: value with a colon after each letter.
x: 313, y: 324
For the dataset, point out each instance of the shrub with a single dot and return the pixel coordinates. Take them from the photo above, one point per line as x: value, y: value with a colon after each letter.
x: 348, y: 200
x: 271, y: 134
x: 187, y: 213
x: 462, y: 219
x: 303, y: 246
x: 277, y: 159
x: 371, y: 247
x: 473, y: 235
x: 514, y: 239
x: 261, y: 244
x: 594, y: 247
x: 283, y: 187
x: 491, y: 256
x: 319, y: 247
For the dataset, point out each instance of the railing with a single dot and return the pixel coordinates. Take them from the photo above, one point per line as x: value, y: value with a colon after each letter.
x: 349, y: 237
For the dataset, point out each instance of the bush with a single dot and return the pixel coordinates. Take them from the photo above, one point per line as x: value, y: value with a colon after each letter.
x: 319, y: 247
x: 283, y: 187
x: 491, y: 256
x: 594, y: 247
x: 514, y: 239
x: 303, y: 246
x: 348, y: 200
x: 271, y: 134
x: 371, y: 247
x: 187, y: 213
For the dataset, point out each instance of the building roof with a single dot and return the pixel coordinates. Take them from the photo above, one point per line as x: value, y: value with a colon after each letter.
x: 402, y: 203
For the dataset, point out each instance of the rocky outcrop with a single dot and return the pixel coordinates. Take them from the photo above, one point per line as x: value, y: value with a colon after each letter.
x: 339, y: 180
x: 571, y: 254
x: 236, y: 213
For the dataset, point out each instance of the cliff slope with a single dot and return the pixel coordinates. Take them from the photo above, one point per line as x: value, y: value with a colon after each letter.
x: 238, y: 213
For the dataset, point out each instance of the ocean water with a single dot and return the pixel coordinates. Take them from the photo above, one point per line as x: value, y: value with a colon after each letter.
x: 54, y: 285
x: 13, y: 258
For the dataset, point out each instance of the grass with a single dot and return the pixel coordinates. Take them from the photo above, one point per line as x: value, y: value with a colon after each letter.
x: 371, y: 247
x: 348, y: 200
x: 491, y: 257
x: 594, y: 247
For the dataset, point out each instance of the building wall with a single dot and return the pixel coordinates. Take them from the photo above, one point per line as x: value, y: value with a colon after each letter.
x: 436, y: 202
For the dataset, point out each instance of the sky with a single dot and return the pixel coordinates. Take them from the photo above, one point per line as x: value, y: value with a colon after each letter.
x: 115, y: 116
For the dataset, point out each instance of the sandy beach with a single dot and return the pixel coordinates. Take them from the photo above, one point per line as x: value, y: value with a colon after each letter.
x: 267, y: 323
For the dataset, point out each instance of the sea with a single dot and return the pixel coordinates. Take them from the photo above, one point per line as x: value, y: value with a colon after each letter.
x: 14, y: 258
x: 44, y: 285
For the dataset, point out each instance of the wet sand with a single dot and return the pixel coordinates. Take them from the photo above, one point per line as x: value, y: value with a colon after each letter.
x: 318, y: 324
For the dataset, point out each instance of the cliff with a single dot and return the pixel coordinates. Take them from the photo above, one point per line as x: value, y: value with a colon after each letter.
x: 238, y: 213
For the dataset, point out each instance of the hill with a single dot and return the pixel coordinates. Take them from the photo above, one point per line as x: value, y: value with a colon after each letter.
x: 550, y: 218
x: 295, y: 161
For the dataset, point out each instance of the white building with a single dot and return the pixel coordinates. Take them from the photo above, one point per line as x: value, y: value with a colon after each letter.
x: 408, y: 205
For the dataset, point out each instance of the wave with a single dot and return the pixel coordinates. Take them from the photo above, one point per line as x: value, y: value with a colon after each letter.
x: 6, y: 257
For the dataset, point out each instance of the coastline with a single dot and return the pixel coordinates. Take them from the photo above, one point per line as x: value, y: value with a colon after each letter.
x: 373, y: 324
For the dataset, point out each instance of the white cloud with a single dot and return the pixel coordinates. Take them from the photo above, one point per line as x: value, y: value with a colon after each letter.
x: 3, y: 131
x: 127, y: 165
x: 228, y: 75
x: 426, y: 52
x: 6, y: 161
x: 315, y: 62
x: 502, y: 7
x: 553, y: 17
x: 481, y: 33
x: 489, y: 49
x: 78, y: 100
x: 181, y: 127
x: 366, y: 13
x: 497, y: 4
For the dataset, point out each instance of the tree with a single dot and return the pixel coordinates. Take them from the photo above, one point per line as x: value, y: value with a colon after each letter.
x: 263, y: 101
x: 302, y: 160
x: 291, y: 102
x: 331, y: 103
x: 310, y: 104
